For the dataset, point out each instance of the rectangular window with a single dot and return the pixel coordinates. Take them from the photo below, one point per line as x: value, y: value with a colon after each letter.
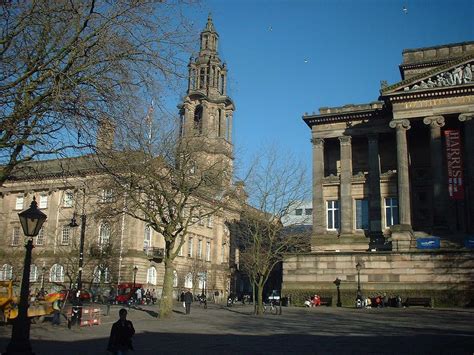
x: 40, y: 237
x: 208, y: 250
x: 333, y: 215
x: 209, y: 222
x: 43, y: 203
x: 106, y: 195
x: 190, y: 247
x: 19, y: 202
x: 201, y: 221
x: 299, y: 211
x: 65, y: 235
x: 362, y: 214
x: 68, y: 199
x: 200, y: 249
x: 391, y: 211
x: 147, y: 238
x: 308, y: 211
x: 16, y: 236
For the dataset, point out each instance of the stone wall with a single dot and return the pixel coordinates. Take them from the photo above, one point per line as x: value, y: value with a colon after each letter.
x: 447, y: 277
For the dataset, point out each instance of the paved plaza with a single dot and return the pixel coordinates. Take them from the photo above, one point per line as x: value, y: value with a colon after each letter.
x: 221, y: 330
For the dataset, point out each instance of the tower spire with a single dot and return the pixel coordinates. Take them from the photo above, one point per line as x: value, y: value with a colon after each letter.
x: 207, y: 111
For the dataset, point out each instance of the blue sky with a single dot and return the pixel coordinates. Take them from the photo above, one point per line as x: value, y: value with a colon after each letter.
x: 287, y: 57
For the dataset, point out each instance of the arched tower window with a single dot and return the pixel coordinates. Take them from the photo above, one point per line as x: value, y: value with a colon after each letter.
x: 222, y: 83
x: 198, y: 120
x: 219, y: 124
x: 202, y: 78
x: 193, y: 79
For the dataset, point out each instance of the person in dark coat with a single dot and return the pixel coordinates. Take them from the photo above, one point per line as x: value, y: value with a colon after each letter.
x: 120, y: 341
x: 188, y: 299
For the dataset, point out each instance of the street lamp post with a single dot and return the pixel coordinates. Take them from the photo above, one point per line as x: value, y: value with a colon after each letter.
x: 31, y: 221
x: 359, y: 292
x: 337, y: 282
x: 135, y: 270
x: 74, y: 224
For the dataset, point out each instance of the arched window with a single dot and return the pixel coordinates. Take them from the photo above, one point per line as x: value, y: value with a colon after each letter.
x: 104, y: 233
x: 188, y: 281
x: 219, y: 123
x: 147, y: 238
x: 222, y: 83
x: 101, y: 274
x: 175, y: 278
x: 198, y: 120
x: 193, y: 79
x: 6, y: 273
x: 202, y: 277
x: 202, y: 78
x: 33, y: 273
x: 56, y: 273
x: 151, y: 276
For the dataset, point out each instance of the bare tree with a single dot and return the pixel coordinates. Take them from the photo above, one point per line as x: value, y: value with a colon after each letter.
x: 67, y: 66
x: 275, y: 186
x: 170, y: 185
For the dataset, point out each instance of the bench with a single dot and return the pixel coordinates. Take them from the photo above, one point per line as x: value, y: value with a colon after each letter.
x: 418, y: 301
x: 326, y: 301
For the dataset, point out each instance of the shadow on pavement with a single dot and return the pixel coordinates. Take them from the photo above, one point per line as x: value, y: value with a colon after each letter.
x: 175, y: 343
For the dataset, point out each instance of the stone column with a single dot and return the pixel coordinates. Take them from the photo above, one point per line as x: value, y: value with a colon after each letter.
x: 436, y: 158
x: 375, y: 208
x: 404, y: 208
x: 319, y: 210
x: 468, y: 120
x: 346, y: 185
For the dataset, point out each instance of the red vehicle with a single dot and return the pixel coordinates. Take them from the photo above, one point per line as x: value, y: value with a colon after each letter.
x: 126, y: 291
x: 84, y: 296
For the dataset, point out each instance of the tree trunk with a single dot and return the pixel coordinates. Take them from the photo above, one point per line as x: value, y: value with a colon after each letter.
x: 254, y: 298
x: 166, y: 302
x: 260, y: 300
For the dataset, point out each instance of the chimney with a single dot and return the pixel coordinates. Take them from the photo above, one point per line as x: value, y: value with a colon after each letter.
x: 105, y: 135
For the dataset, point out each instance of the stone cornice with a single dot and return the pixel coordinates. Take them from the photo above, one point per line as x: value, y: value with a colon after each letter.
x: 311, y: 120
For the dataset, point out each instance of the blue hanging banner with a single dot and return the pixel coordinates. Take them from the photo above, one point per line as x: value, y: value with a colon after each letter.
x: 428, y: 243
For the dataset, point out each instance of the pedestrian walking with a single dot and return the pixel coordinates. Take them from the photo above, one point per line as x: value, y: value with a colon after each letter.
x: 138, y: 293
x: 120, y: 340
x: 188, y: 299
x: 57, y: 312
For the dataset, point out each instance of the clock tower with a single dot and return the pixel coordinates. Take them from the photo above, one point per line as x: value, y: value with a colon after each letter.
x: 206, y: 112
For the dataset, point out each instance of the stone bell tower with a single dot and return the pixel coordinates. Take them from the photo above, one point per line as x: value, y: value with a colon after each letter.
x: 206, y: 112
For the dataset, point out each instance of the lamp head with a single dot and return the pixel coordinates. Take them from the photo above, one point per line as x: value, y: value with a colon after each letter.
x: 32, y: 219
x: 358, y: 266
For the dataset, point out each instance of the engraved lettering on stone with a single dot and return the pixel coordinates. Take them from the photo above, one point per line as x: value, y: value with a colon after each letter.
x: 457, y: 76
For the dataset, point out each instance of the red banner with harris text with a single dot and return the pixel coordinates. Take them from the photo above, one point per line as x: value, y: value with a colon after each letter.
x: 454, y: 163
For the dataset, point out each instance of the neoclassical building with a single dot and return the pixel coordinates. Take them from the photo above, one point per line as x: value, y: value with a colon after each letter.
x: 390, y: 172
x: 115, y: 247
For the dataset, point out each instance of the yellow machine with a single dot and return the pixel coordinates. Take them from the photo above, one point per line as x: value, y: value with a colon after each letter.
x: 9, y: 304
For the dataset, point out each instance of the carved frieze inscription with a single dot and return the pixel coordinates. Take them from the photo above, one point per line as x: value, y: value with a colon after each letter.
x: 445, y: 101
x: 457, y: 76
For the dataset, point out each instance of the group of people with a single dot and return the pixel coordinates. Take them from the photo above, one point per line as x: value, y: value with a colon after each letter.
x: 145, y: 297
x: 314, y: 301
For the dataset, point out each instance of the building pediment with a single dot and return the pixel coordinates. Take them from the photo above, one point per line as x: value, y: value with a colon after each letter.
x: 453, y: 74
